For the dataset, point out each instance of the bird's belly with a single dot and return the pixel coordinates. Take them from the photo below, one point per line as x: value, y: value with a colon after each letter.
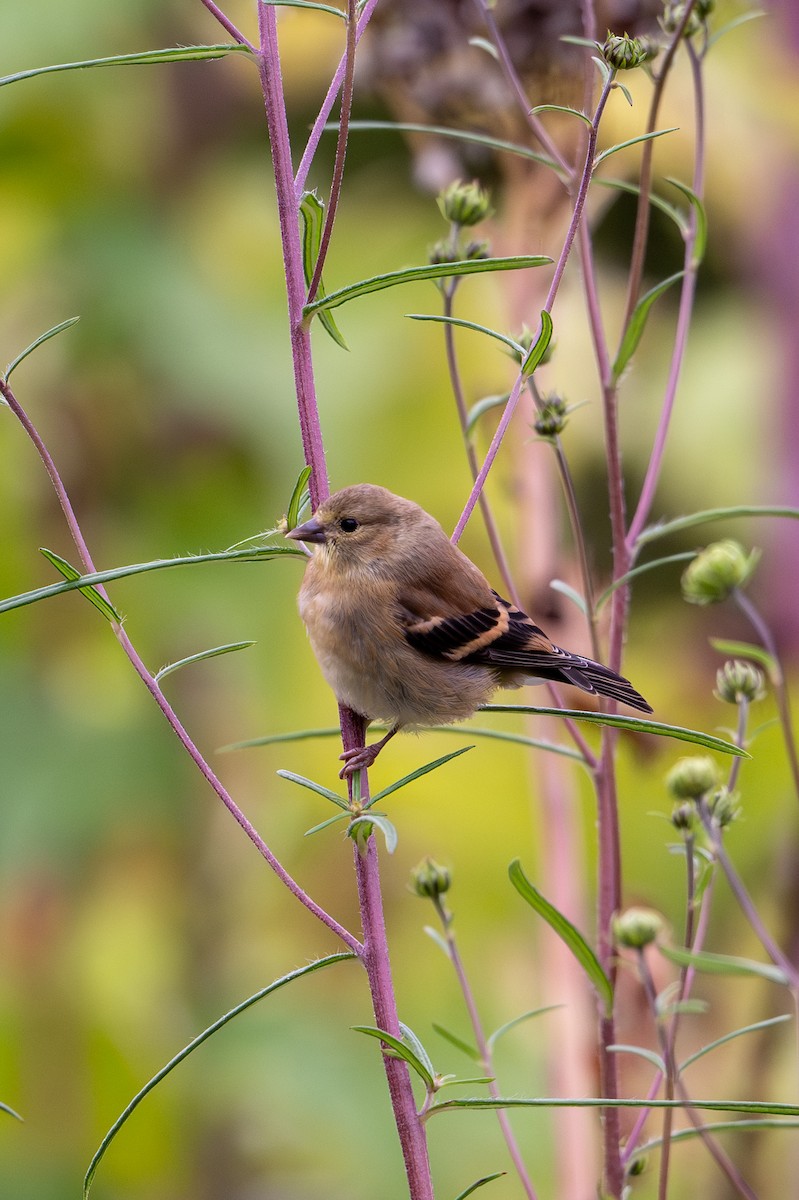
x: 376, y: 672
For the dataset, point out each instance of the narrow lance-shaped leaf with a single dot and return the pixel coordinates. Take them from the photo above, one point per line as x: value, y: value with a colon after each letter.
x: 481, y: 407
x: 561, y: 108
x: 313, y: 786
x: 44, y: 337
x: 417, y: 774
x: 310, y: 4
x: 72, y: 574
x: 526, y: 1016
x: 700, y: 214
x: 748, y: 650
x: 735, y: 1033
x: 445, y: 131
x: 362, y: 827
x: 399, y: 1050
x: 478, y: 1183
x: 312, y: 211
x: 263, y: 553
x: 568, y: 933
x: 230, y: 648
x: 510, y: 342
x: 295, y: 503
x: 192, y: 1046
x: 143, y: 58
x: 377, y: 283
x: 723, y: 964
x: 539, y: 346
x: 6, y: 1108
x: 644, y: 137
x: 633, y: 724
x: 459, y: 1044
x: 732, y: 512
x: 637, y: 323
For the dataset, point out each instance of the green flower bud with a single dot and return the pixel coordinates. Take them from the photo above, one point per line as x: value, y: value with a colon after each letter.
x: 737, y: 681
x: 465, y: 203
x: 623, y: 52
x: 717, y: 571
x: 475, y: 250
x: 673, y: 15
x: 690, y: 778
x: 683, y: 817
x: 637, y: 1166
x: 724, y: 807
x: 443, y: 252
x: 637, y: 927
x: 552, y: 416
x: 430, y: 880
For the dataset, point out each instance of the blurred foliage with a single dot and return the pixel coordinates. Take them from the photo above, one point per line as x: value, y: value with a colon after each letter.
x: 133, y: 910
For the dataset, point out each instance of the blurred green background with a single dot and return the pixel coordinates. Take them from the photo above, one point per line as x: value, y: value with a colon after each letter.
x: 134, y: 911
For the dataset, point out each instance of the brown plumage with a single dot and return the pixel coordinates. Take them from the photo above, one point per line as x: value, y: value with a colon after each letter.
x: 407, y: 630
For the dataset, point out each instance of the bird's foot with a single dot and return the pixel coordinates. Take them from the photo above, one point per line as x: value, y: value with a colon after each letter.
x: 360, y: 757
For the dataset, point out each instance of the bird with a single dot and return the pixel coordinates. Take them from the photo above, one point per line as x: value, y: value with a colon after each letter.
x: 408, y: 631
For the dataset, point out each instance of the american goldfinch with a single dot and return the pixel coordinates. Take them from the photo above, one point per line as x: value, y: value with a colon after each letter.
x: 408, y: 631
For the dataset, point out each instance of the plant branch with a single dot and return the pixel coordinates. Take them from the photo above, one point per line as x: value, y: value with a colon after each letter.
x: 155, y: 691
x: 227, y: 24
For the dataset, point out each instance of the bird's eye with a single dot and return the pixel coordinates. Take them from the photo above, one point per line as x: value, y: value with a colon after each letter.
x: 348, y: 524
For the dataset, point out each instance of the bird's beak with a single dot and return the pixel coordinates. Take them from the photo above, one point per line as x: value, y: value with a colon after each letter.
x: 311, y: 531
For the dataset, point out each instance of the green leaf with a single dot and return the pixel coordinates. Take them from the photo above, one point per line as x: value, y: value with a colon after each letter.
x: 625, y: 91
x: 633, y: 724
x: 192, y: 1045
x: 568, y: 933
x: 44, y: 337
x: 311, y: 4
x: 648, y: 1055
x: 712, y: 1128
x: 566, y: 589
x: 459, y: 1044
x: 734, y: 23
x: 561, y: 108
x: 444, y: 1081
x: 435, y: 936
x: 298, y: 497
x: 723, y: 964
x: 86, y: 581
x: 478, y: 1183
x: 647, y: 566
x: 539, y: 346
x: 417, y: 774
x: 553, y: 1102
x: 501, y: 337
x: 736, y: 1033
x: 471, y: 266
x: 664, y: 528
x: 203, y: 654
x: 624, y: 185
x: 637, y: 323
x: 603, y: 69
x: 11, y: 1112
x: 459, y: 135
x: 324, y: 824
x: 414, y: 1044
x: 700, y: 215
x: 398, y: 1049
x: 146, y: 57
x: 644, y: 137
x: 481, y: 407
x: 362, y: 826
x: 313, y: 786
x: 748, y: 650
x: 312, y: 212
x: 71, y: 574
x: 506, y: 1028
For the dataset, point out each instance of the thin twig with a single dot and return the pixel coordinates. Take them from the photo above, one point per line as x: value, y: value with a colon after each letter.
x: 227, y: 24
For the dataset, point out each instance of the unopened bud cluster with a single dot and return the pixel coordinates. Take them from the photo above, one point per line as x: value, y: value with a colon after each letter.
x: 717, y: 571
x: 692, y: 777
x: 674, y: 14
x: 465, y: 203
x: 623, y: 52
x: 724, y: 807
x: 552, y: 416
x: 637, y: 927
x: 430, y: 880
x: 737, y: 681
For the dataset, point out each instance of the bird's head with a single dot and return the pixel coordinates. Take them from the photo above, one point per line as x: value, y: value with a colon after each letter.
x: 357, y: 528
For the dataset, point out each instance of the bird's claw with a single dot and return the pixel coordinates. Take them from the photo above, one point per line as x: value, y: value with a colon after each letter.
x: 358, y: 758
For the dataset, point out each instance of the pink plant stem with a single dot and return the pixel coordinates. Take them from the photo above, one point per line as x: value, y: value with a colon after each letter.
x: 560, y: 266
x: 327, y: 105
x: 288, y: 214
x: 227, y: 24
x: 152, y: 686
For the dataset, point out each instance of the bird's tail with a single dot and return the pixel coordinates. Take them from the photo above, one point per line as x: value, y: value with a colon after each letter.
x: 598, y: 680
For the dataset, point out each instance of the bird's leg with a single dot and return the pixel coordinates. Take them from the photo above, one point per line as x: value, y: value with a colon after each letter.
x: 363, y: 756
